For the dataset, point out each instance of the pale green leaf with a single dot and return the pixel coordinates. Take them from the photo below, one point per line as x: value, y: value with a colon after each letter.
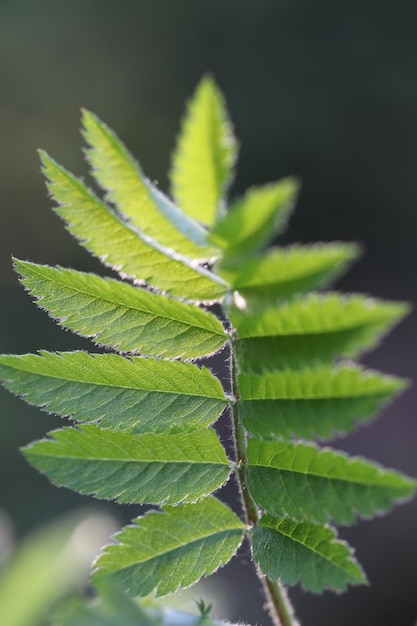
x: 135, y: 394
x: 307, y: 484
x: 116, y: 314
x: 172, y: 549
x: 122, y: 246
x: 153, y: 469
x: 205, y: 155
x: 254, y: 220
x: 47, y: 565
x: 312, y: 403
x: 282, y: 272
x: 304, y: 553
x: 117, y: 172
x: 312, y: 330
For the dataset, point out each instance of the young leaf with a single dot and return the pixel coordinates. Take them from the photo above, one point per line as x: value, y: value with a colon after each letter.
x: 117, y: 172
x: 254, y: 220
x: 312, y: 330
x: 282, y: 272
x: 312, y: 403
x: 152, y: 469
x: 120, y: 245
x: 126, y: 318
x: 136, y: 394
x: 172, y: 549
x: 205, y: 155
x: 304, y: 553
x: 307, y: 484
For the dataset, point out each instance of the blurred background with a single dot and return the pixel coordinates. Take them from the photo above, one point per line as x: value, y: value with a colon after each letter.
x: 326, y: 90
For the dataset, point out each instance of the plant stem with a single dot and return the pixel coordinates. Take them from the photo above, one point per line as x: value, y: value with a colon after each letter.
x: 278, y: 604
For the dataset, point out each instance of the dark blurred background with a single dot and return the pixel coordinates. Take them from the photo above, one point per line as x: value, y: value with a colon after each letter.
x: 326, y: 90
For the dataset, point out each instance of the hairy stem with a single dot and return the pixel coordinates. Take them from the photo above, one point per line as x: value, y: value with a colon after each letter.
x: 278, y: 604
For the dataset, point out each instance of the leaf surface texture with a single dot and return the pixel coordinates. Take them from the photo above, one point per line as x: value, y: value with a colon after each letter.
x: 153, y: 469
x: 308, y: 484
x: 136, y: 394
x: 126, y: 318
x: 172, y: 549
x: 204, y: 156
x: 304, y: 553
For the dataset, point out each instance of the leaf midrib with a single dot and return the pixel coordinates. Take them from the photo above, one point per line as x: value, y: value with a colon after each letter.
x: 310, y: 398
x: 106, y: 384
x: 313, y: 474
x: 181, y: 545
x: 315, y: 332
x: 125, y: 460
x: 134, y: 308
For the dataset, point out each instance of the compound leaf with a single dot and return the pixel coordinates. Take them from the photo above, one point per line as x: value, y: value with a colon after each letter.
x: 120, y: 245
x: 136, y: 394
x: 126, y: 318
x: 282, y: 272
x: 311, y: 330
x: 254, y: 220
x: 153, y: 469
x: 304, y: 553
x: 172, y: 549
x: 307, y: 484
x: 205, y: 155
x: 117, y: 172
x: 312, y: 403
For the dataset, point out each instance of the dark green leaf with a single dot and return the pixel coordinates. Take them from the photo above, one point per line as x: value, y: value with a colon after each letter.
x: 312, y: 403
x: 312, y: 330
x: 308, y: 484
x: 304, y: 553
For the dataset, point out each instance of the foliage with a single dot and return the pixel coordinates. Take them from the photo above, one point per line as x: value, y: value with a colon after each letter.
x: 145, y: 410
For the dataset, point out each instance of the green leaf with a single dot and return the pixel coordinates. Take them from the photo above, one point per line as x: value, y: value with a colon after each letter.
x: 282, y: 272
x: 172, y: 549
x: 142, y: 203
x: 153, y: 469
x: 307, y: 484
x: 122, y: 246
x: 126, y: 318
x: 312, y: 330
x: 205, y: 155
x: 312, y: 403
x: 136, y: 394
x: 304, y: 553
x: 254, y: 220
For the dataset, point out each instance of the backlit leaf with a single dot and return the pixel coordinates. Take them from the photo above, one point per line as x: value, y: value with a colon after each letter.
x: 116, y: 314
x: 136, y: 394
x: 282, y: 272
x: 122, y: 246
x: 205, y: 155
x: 135, y: 197
x: 152, y: 469
x: 254, y: 220
x: 172, y: 549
